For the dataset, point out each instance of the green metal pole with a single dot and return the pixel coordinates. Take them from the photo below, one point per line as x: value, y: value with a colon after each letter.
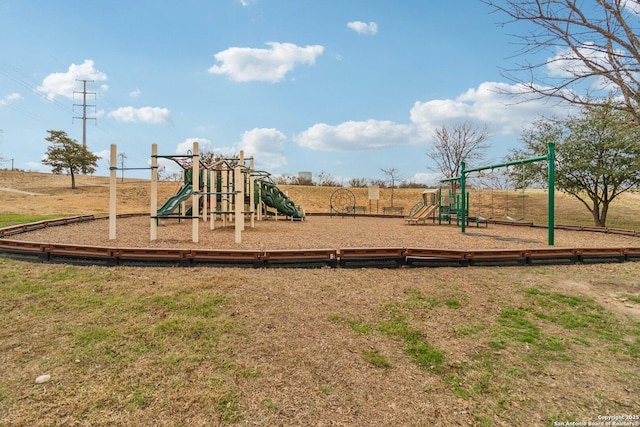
x: 462, y: 197
x: 552, y: 178
x: 466, y: 206
x: 440, y: 206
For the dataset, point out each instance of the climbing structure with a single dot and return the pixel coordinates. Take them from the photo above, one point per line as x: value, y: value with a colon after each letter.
x: 225, y: 189
x: 275, y: 198
x: 343, y: 202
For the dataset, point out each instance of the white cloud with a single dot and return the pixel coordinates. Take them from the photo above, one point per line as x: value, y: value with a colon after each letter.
x: 427, y: 178
x: 64, y: 84
x: 155, y: 115
x: 566, y: 63
x: 244, y: 64
x: 354, y: 136
x: 134, y: 93
x: 365, y: 28
x: 226, y: 151
x: 499, y: 105
x: 104, y: 154
x: 266, y: 145
x: 186, y: 146
x: 15, y: 96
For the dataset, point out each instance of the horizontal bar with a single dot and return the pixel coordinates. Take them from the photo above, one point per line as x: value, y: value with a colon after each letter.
x: 216, y: 192
x: 512, y: 163
x: 498, y: 165
x: 113, y: 168
x: 174, y: 217
x: 182, y: 156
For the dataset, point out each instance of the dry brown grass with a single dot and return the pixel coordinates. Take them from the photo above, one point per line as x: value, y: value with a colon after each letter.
x: 92, y: 197
x: 471, y: 346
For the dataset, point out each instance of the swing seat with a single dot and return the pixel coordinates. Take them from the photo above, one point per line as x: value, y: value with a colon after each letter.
x: 478, y: 220
x: 511, y: 221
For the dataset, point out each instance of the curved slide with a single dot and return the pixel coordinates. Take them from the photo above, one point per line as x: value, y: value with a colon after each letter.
x: 174, y: 201
x: 273, y: 197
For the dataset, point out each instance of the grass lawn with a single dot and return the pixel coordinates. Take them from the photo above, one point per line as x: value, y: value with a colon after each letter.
x: 229, y: 346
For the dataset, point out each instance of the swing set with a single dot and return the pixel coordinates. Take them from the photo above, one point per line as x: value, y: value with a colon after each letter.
x: 462, y: 181
x: 509, y: 206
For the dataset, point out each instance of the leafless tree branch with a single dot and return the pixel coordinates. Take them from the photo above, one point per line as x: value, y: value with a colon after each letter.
x: 592, y: 42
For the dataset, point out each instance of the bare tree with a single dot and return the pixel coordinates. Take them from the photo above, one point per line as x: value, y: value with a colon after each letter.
x: 590, y: 41
x: 393, y: 176
x: 166, y: 175
x: 379, y: 182
x: 465, y: 142
x: 493, y: 179
x: 302, y: 180
x: 326, y: 180
x: 411, y: 184
x: 358, y: 182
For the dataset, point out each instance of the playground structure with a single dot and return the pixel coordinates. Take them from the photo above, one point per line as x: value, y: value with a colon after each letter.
x: 441, y: 206
x: 344, y: 257
x: 427, y: 208
x: 459, y: 206
x: 342, y: 202
x: 504, y: 202
x: 224, y: 189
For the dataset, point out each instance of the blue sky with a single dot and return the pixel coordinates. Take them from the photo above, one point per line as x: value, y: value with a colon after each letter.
x: 342, y: 86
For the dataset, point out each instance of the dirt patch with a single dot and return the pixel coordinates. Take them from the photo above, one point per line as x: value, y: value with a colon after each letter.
x: 619, y: 296
x: 13, y: 190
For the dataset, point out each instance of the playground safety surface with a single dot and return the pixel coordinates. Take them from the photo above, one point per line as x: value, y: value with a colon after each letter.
x: 318, y: 241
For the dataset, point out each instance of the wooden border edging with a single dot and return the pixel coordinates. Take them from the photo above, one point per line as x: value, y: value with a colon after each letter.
x: 392, y: 257
x: 371, y: 257
x: 300, y: 258
x: 423, y: 257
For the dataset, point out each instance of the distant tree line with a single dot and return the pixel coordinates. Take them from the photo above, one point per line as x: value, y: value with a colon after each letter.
x: 326, y: 180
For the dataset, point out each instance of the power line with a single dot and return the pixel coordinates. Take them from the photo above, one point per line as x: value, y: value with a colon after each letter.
x: 22, y: 79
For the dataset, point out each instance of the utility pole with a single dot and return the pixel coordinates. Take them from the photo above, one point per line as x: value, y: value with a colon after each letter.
x: 84, y: 109
x: 123, y: 157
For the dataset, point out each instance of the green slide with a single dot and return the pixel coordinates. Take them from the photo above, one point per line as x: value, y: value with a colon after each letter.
x: 174, y: 201
x: 273, y: 197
